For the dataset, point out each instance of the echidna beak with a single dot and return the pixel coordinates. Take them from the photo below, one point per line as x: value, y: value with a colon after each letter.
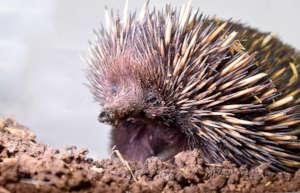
x: 105, y: 116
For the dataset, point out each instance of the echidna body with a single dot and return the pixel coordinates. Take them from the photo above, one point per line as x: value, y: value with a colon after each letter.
x: 171, y: 81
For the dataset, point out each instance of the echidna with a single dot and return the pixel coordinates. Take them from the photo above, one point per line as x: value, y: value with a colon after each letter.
x: 169, y: 81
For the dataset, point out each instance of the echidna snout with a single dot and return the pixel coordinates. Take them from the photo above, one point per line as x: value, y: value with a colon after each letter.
x: 174, y: 80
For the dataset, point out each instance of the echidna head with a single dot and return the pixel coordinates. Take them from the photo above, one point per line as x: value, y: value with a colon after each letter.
x: 132, y: 103
x: 122, y: 91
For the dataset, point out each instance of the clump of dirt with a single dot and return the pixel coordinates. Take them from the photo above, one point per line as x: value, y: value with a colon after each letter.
x: 27, y: 166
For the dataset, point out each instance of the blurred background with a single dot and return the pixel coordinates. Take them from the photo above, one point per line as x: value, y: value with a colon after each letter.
x: 42, y: 76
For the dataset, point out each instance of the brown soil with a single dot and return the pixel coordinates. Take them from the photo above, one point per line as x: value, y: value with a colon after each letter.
x: 27, y: 166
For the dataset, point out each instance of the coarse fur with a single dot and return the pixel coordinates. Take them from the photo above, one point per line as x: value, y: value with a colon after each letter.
x: 170, y: 80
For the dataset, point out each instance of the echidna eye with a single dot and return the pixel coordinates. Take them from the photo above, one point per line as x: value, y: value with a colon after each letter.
x: 114, y: 90
x: 151, y: 98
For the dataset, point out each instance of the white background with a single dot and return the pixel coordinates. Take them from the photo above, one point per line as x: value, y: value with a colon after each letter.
x: 42, y: 77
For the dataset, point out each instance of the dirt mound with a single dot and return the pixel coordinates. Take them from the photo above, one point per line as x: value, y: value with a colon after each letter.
x: 27, y: 166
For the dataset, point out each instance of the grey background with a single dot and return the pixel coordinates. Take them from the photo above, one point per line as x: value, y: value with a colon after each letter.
x: 42, y: 76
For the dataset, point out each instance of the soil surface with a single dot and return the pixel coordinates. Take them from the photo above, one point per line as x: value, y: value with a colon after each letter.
x: 27, y: 166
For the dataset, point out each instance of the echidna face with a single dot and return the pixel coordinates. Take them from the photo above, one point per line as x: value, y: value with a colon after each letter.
x: 136, y: 110
x: 170, y: 81
x: 122, y: 91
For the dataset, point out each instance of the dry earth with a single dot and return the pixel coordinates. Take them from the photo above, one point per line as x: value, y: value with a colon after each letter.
x: 27, y: 166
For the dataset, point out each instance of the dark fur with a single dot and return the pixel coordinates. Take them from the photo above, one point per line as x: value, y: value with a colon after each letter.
x: 138, y: 138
